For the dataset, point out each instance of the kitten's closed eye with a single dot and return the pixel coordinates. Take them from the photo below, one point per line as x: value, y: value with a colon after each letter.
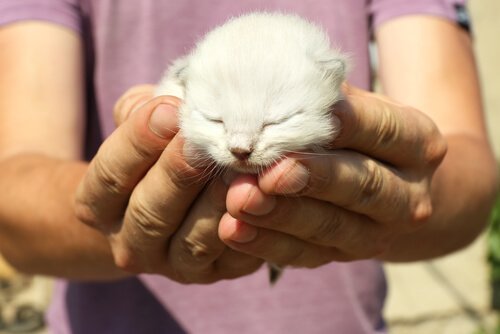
x: 270, y: 124
x: 281, y: 120
x: 212, y: 118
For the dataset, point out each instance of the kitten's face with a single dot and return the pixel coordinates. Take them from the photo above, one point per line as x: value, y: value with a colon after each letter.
x: 255, y: 89
x: 248, y: 123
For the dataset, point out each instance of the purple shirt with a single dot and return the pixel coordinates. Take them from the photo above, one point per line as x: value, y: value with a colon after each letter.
x: 131, y: 42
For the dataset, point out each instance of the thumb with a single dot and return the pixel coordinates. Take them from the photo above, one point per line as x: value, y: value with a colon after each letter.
x: 133, y: 99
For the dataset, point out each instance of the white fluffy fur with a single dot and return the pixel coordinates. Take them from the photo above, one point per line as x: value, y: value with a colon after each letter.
x: 261, y: 82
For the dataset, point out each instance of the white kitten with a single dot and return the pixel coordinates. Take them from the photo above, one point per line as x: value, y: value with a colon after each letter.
x: 254, y: 89
x: 258, y: 87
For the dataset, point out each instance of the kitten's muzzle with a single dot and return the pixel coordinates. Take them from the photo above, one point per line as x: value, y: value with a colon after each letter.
x: 242, y: 163
x: 242, y: 154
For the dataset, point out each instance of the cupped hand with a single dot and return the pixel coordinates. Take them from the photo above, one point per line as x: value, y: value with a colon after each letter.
x: 349, y: 203
x: 158, y: 212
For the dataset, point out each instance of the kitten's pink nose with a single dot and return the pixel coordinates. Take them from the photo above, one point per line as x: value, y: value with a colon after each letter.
x: 241, y: 154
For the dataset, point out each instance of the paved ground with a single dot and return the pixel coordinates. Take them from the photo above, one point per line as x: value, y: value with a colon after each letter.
x: 449, y: 295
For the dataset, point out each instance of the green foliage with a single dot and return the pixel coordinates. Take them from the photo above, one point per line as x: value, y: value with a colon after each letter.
x: 481, y: 331
x: 494, y: 254
x: 494, y: 241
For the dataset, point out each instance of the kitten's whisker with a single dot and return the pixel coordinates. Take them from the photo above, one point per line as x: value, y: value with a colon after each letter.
x: 330, y: 153
x: 223, y: 170
x: 212, y: 170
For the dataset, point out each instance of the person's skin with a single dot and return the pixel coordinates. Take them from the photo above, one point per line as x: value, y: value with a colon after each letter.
x: 41, y: 178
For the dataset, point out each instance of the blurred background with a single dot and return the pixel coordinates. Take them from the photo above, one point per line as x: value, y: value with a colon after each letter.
x: 451, y: 295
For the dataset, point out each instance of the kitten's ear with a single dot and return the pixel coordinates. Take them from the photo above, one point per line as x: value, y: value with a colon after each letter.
x: 334, y: 66
x: 174, y: 81
x: 178, y: 69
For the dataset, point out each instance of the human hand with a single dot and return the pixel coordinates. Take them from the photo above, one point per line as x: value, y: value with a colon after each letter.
x: 156, y: 210
x: 348, y: 204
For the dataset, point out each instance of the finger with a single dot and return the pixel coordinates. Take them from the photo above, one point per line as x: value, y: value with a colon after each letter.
x: 131, y: 100
x: 157, y: 206
x: 307, y: 219
x: 196, y: 253
x: 276, y: 247
x: 386, y: 130
x: 356, y: 183
x: 195, y: 246
x: 122, y: 161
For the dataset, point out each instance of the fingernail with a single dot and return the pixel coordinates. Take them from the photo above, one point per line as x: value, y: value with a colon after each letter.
x: 163, y: 121
x: 293, y: 177
x: 243, y: 232
x: 257, y: 203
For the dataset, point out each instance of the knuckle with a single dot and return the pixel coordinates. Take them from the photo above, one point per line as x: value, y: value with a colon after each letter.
x: 433, y: 146
x: 197, y: 252
x: 119, y: 110
x: 371, y: 182
x: 144, y: 148
x: 149, y: 223
x: 117, y: 114
x: 86, y: 214
x: 328, y: 229
x: 435, y: 150
x: 128, y: 100
x: 321, y: 181
x: 127, y: 261
x: 421, y: 213
x: 86, y: 210
x: 388, y: 129
x: 181, y: 175
x: 195, y: 262
x: 111, y: 180
x: 420, y: 203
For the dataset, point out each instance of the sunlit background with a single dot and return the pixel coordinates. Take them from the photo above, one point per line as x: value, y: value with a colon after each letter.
x: 450, y: 295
